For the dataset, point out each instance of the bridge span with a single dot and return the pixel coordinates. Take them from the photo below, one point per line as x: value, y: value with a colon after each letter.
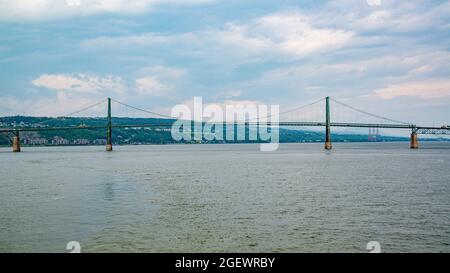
x: 109, y: 126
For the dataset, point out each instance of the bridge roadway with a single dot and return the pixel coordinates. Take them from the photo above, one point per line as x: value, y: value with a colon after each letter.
x: 416, y: 129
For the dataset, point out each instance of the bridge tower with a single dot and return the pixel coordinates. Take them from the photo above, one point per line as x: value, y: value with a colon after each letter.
x: 109, y: 147
x: 414, y: 139
x: 328, y: 145
x: 16, y: 142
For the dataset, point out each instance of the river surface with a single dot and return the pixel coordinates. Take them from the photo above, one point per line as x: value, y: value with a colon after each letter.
x: 226, y: 198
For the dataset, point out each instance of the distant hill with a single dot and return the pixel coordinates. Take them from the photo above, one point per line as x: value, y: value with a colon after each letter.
x: 142, y: 135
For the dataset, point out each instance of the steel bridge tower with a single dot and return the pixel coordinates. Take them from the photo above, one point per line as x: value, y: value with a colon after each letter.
x: 328, y: 145
x: 109, y: 129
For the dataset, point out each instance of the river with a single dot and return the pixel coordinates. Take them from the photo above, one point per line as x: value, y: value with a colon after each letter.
x: 226, y: 198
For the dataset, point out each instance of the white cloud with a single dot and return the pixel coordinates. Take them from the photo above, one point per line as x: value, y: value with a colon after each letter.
x: 229, y: 94
x: 25, y: 10
x: 61, y: 104
x: 288, y: 34
x: 151, y: 86
x: 164, y: 72
x: 390, y: 17
x: 159, y: 80
x: 293, y: 34
x: 147, y: 39
x: 426, y: 89
x: 408, y: 66
x: 72, y: 92
x: 80, y: 83
x: 373, y: 2
x: 378, y: 15
x: 76, y: 91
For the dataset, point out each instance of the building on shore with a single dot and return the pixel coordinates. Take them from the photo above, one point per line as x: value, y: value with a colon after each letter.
x: 99, y: 141
x: 60, y: 141
x: 81, y: 141
x: 35, y: 141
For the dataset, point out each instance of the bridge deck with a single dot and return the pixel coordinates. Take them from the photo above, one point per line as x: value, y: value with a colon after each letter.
x: 417, y: 129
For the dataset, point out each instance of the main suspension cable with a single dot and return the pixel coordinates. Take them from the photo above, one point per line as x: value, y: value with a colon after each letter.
x: 142, y: 110
x: 370, y: 114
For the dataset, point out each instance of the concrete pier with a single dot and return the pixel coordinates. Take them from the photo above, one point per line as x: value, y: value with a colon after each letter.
x: 109, y: 147
x: 16, y: 144
x: 414, y: 141
x: 328, y: 145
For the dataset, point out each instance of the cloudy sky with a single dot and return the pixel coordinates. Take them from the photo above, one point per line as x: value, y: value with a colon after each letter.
x: 384, y: 56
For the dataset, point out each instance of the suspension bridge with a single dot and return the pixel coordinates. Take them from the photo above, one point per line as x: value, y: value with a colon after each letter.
x: 302, y: 116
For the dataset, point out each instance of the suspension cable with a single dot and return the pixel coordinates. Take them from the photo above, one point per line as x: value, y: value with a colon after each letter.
x: 370, y: 114
x: 85, y: 108
x: 142, y: 110
x: 291, y: 110
x: 72, y: 113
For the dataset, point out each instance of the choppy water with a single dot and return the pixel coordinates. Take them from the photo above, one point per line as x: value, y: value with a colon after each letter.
x: 226, y: 198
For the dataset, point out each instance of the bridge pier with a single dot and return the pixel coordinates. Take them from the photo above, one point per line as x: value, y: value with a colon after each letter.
x: 414, y: 141
x: 16, y: 143
x: 328, y: 145
x: 109, y: 148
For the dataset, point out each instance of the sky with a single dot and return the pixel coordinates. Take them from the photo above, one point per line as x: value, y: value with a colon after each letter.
x: 387, y: 57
